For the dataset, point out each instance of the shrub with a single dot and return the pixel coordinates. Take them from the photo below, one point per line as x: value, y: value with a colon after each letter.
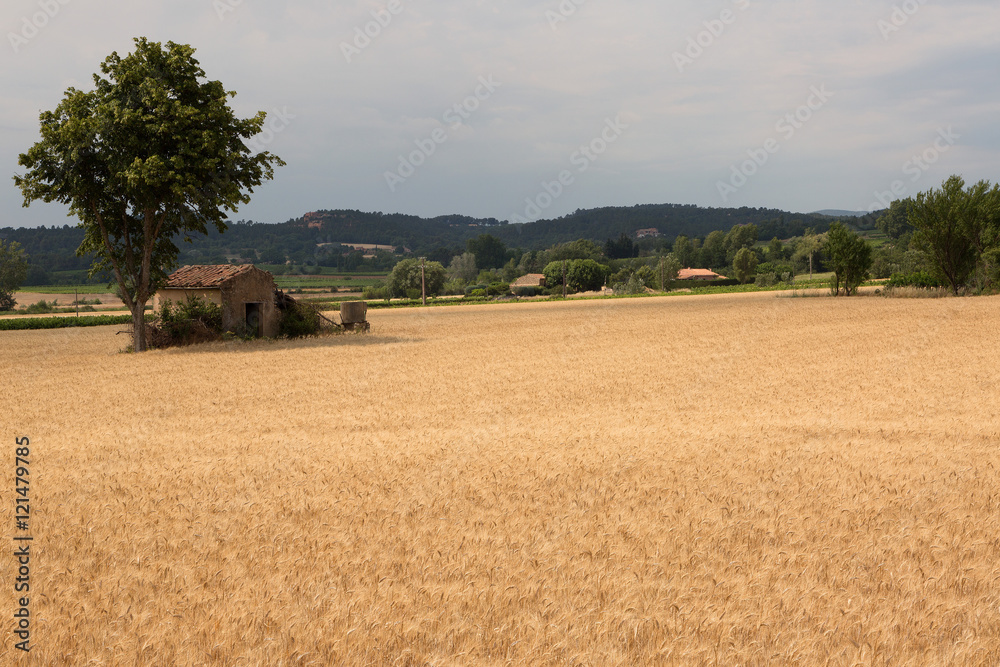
x: 39, y: 307
x: 472, y: 288
x: 477, y: 293
x: 375, y: 293
x: 915, y: 279
x: 498, y: 289
x: 194, y: 320
x: 299, y: 320
x: 525, y: 291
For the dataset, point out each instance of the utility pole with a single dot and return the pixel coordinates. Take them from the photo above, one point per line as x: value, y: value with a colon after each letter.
x: 564, y: 278
x: 423, y: 283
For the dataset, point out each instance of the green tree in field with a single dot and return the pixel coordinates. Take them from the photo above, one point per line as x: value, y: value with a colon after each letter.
x: 684, y: 251
x: 13, y: 270
x: 582, y: 275
x: 463, y: 267
x: 740, y: 236
x: 153, y: 153
x: 666, y: 272
x: 807, y: 248
x: 850, y: 258
x: 745, y: 264
x: 713, y: 251
x: 958, y: 229
x: 405, y: 276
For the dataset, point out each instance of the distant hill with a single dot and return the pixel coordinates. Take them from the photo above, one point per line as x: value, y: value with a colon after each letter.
x: 836, y: 213
x: 319, y: 234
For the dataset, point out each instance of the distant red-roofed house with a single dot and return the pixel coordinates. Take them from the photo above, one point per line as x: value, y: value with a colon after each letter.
x: 645, y: 233
x: 244, y: 292
x: 698, y: 274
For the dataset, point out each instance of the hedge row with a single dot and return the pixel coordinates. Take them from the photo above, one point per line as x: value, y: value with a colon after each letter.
x: 23, y: 323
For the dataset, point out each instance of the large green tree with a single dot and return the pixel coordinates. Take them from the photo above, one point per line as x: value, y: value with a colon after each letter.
x: 154, y: 152
x: 406, y: 276
x: 582, y: 275
x: 850, y: 258
x: 13, y: 270
x: 740, y: 236
x: 958, y: 229
x: 745, y: 264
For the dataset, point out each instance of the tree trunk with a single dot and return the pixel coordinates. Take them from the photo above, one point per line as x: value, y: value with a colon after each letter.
x: 139, y: 327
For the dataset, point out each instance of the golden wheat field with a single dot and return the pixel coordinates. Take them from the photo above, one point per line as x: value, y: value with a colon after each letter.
x: 693, y: 480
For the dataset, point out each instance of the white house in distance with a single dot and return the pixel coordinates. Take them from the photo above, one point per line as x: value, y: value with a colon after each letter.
x: 698, y: 274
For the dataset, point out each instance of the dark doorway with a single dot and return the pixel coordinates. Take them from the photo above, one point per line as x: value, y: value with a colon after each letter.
x: 255, y: 320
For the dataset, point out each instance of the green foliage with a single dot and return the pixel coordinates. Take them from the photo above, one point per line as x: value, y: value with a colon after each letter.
x: 895, y: 221
x: 744, y: 264
x: 40, y: 307
x: 463, y: 267
x: 850, y: 258
x: 406, y: 276
x: 738, y: 238
x: 915, y: 279
x: 959, y: 231
x: 582, y: 275
x: 29, y: 323
x: 634, y: 277
x: 892, y: 258
x: 185, y: 322
x: 579, y: 249
x: 489, y: 251
x: 623, y: 248
x: 713, y: 251
x: 525, y: 291
x: 13, y: 270
x: 376, y: 292
x: 299, y: 320
x: 152, y: 154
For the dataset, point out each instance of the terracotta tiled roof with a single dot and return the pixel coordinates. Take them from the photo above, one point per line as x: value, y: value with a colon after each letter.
x: 199, y: 276
x: 689, y: 274
x: 529, y: 280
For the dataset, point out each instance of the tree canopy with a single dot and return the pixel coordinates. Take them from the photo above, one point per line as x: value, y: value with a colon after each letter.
x: 958, y: 229
x: 406, y: 276
x: 153, y: 153
x: 850, y: 258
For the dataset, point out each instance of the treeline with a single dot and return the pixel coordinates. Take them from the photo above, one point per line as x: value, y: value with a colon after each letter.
x: 316, y: 238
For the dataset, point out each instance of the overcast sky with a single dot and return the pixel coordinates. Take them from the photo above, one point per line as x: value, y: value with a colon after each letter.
x: 482, y: 107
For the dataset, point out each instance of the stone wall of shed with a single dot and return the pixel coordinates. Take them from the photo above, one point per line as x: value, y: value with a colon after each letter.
x: 252, y: 287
